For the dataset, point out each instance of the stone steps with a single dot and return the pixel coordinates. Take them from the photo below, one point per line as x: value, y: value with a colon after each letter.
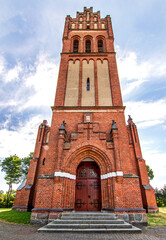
x: 89, y: 215
x: 88, y: 222
x: 87, y: 226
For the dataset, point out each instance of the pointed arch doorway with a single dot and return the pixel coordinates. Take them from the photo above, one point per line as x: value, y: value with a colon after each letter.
x: 88, y: 186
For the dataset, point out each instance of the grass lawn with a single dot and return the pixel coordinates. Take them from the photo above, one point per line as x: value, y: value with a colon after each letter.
x: 163, y: 210
x: 5, y: 209
x: 6, y: 214
x: 157, y: 219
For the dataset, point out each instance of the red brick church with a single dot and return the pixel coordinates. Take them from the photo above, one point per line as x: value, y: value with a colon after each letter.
x: 88, y: 159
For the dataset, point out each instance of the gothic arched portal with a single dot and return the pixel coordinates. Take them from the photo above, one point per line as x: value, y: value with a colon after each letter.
x: 88, y: 186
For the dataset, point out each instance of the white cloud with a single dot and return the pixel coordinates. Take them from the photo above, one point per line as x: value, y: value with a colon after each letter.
x: 150, y: 123
x: 2, y: 65
x: 13, y: 74
x: 146, y: 113
x: 157, y: 163
x: 22, y: 141
x: 43, y: 80
x: 132, y: 86
x: 40, y: 78
x: 8, y: 75
x: 133, y: 71
x: 129, y: 68
x: 8, y: 103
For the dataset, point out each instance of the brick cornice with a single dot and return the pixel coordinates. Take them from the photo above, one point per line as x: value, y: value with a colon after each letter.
x: 83, y: 54
x: 89, y: 108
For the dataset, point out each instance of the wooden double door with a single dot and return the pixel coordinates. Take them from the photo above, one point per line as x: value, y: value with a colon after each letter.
x: 88, y: 187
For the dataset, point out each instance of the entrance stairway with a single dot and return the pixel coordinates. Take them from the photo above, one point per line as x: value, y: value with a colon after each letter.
x: 88, y: 222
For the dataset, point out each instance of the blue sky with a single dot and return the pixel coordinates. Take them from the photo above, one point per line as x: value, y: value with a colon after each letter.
x: 30, y: 46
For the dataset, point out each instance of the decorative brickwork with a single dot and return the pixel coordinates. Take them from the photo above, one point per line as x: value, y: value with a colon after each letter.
x: 88, y: 125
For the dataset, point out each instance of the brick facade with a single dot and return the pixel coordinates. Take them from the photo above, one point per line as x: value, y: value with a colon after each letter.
x: 97, y: 132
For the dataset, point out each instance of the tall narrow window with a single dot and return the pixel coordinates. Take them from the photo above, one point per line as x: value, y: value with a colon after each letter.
x: 75, y: 46
x: 44, y: 161
x: 88, y: 85
x: 88, y: 46
x: 100, y: 46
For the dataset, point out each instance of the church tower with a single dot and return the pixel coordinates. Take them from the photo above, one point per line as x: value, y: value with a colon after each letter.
x: 89, y: 159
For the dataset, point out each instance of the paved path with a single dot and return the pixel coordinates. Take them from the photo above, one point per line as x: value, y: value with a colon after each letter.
x: 9, y: 231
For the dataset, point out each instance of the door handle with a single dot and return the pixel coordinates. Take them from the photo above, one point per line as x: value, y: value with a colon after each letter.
x: 88, y: 196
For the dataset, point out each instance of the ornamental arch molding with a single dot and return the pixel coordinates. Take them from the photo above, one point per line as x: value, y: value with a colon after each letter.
x: 89, y: 151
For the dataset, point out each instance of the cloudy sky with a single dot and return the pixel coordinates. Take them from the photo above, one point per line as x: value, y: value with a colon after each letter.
x: 30, y: 45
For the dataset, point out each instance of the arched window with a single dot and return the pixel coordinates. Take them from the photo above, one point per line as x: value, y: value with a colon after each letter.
x: 88, y: 84
x: 88, y: 46
x: 44, y: 161
x: 100, y: 46
x: 75, y: 46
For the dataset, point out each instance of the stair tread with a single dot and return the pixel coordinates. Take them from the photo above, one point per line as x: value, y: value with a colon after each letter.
x: 93, y: 224
x: 88, y: 213
x: 133, y: 229
x: 96, y: 221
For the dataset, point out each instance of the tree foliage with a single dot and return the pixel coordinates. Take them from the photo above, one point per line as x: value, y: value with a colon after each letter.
x: 11, y: 167
x: 7, y: 200
x: 25, y: 165
x: 15, y: 168
x: 161, y: 196
x: 150, y: 173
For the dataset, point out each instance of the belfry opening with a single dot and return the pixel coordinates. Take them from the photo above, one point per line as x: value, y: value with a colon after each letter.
x: 89, y: 159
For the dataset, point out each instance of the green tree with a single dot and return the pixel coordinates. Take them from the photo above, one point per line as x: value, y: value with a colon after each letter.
x: 1, y: 193
x: 15, y: 169
x: 11, y: 167
x: 150, y: 172
x: 1, y: 198
x: 161, y: 196
x: 25, y: 165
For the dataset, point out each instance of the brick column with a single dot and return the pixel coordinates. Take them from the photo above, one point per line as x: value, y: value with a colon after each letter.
x: 80, y: 85
x: 135, y: 138
x: 96, y: 85
x: 118, y: 168
x: 58, y: 184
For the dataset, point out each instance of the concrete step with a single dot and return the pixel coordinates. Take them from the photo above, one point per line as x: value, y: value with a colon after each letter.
x: 95, y: 230
x: 88, y: 218
x: 89, y: 215
x: 87, y: 221
x: 86, y: 214
x: 87, y: 226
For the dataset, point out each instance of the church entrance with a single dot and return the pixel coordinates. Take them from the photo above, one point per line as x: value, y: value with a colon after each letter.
x: 88, y: 187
